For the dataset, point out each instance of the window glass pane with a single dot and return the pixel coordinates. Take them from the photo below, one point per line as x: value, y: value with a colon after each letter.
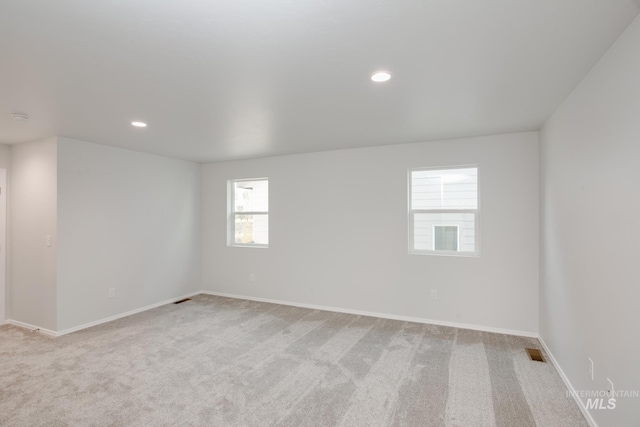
x: 444, y: 189
x: 445, y: 237
x: 251, y: 196
x: 252, y: 229
x: 435, y: 231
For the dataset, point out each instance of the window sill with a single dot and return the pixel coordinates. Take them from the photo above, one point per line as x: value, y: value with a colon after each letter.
x: 248, y: 246
x: 447, y: 254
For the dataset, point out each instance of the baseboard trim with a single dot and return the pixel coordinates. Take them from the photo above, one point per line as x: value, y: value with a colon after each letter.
x: 128, y: 313
x: 568, y: 384
x: 32, y: 328
x: 98, y: 322
x: 380, y: 315
x: 289, y: 303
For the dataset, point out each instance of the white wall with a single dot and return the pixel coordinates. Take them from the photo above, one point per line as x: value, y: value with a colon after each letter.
x: 129, y: 221
x: 5, y: 156
x: 33, y: 216
x: 338, y: 233
x: 590, y: 281
x: 5, y: 162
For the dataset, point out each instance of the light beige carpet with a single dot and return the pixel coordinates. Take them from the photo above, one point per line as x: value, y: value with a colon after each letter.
x: 223, y: 362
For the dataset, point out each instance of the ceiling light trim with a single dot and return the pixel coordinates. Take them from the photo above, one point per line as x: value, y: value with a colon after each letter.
x: 381, y: 76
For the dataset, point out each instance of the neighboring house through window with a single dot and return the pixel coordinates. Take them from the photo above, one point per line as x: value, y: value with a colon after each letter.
x: 444, y: 211
x: 445, y: 237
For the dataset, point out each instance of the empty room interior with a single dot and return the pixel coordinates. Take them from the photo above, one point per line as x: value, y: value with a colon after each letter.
x: 320, y: 213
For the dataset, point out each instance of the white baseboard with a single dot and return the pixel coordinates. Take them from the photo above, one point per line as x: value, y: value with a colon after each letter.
x: 381, y: 315
x: 101, y: 321
x: 128, y: 313
x: 32, y: 328
x: 272, y: 301
x: 567, y: 383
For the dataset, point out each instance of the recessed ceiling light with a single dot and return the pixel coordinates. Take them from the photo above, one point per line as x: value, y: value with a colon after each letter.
x: 19, y: 117
x: 139, y: 124
x: 380, y: 76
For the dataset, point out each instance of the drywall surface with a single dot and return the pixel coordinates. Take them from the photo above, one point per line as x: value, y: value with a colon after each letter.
x: 339, y: 237
x: 5, y: 156
x: 33, y: 218
x: 5, y: 162
x: 590, y: 293
x: 128, y: 221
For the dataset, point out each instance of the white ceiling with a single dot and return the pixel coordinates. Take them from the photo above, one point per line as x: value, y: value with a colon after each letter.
x: 227, y: 79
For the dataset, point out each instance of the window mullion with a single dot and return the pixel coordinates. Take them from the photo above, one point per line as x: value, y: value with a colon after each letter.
x: 444, y: 211
x: 251, y: 213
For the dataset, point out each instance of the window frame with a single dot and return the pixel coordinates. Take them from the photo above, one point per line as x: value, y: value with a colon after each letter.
x: 412, y: 212
x: 232, y: 213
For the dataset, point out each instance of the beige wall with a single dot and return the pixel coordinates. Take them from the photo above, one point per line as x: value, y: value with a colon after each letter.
x: 338, y: 233
x: 5, y: 162
x: 589, y: 292
x: 128, y: 221
x: 33, y: 217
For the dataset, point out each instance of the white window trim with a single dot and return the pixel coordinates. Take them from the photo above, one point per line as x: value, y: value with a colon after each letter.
x: 231, y: 215
x: 412, y: 212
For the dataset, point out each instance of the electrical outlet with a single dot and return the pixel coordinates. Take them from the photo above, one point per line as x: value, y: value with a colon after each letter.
x: 112, y: 292
x: 434, y: 294
x: 252, y: 277
x: 47, y: 240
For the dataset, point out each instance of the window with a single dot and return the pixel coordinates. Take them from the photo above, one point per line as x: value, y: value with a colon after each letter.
x: 444, y: 211
x: 249, y: 212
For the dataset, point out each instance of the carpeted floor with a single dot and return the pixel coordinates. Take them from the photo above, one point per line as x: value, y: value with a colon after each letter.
x: 216, y: 361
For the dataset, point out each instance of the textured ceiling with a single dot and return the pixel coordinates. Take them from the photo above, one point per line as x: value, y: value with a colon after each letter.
x: 218, y: 80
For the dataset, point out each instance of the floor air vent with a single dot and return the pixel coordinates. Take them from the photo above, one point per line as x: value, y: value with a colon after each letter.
x: 182, y: 300
x: 535, y: 354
